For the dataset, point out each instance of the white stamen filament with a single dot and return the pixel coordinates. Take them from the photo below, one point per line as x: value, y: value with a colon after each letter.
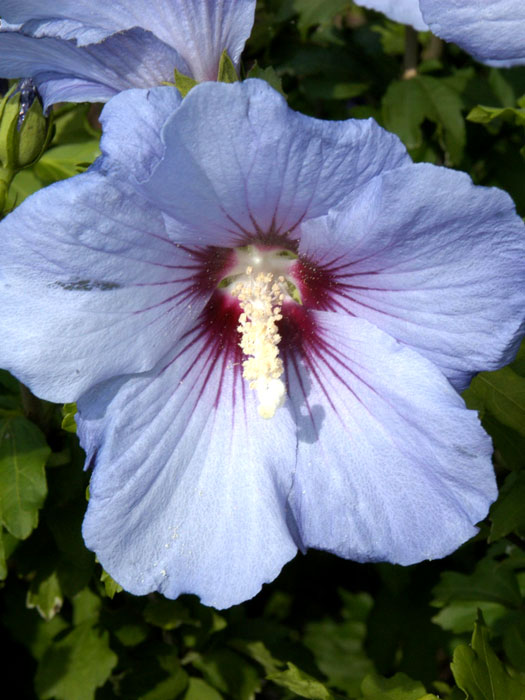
x: 261, y: 301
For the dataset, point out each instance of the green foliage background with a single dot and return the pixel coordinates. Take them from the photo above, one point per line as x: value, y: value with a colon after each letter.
x: 326, y: 628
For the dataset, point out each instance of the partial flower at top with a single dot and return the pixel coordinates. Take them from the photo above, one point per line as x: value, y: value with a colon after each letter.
x: 404, y: 11
x: 89, y: 50
x: 493, y: 31
x: 260, y: 315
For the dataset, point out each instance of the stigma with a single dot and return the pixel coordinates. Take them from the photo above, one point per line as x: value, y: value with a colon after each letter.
x: 261, y: 297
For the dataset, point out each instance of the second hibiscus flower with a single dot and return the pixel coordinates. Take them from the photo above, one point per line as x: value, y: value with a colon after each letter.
x: 89, y: 50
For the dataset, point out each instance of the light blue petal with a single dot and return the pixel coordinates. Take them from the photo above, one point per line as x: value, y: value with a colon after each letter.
x: 66, y: 29
x: 87, y: 21
x: 132, y: 121
x: 390, y: 465
x: 493, y: 31
x: 199, y: 30
x: 434, y: 261
x: 189, y: 488
x: 404, y: 11
x: 239, y: 162
x: 91, y: 287
x: 66, y: 72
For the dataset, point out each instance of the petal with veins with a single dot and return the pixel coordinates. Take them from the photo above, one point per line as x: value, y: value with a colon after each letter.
x: 195, y: 482
x: 131, y: 130
x: 444, y: 274
x: 199, y: 30
x: 387, y: 452
x: 63, y: 71
x: 239, y: 162
x: 103, y: 294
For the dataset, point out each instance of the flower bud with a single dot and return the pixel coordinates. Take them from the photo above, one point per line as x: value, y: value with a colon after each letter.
x: 24, y: 131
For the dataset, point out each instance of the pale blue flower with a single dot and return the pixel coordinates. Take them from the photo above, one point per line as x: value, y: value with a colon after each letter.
x: 89, y: 50
x: 123, y: 289
x: 493, y: 31
x: 404, y: 11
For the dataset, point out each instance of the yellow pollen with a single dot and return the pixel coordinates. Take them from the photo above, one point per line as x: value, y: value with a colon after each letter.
x: 261, y: 299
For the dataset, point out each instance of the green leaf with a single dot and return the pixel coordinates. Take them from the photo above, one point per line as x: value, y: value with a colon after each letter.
x: 184, y: 83
x: 490, y: 582
x: 317, y: 12
x: 86, y: 607
x: 502, y: 393
x: 227, y: 72
x: 8, y: 382
x: 399, y: 687
x: 279, y: 604
x: 509, y: 446
x: 128, y: 626
x: 323, y: 89
x: 8, y: 544
x: 155, y: 674
x: 45, y: 594
x: 229, y: 673
x: 71, y: 123
x: 501, y: 87
x: 199, y: 690
x: 63, y: 161
x: 508, y: 513
x: 356, y: 606
x: 168, y: 614
x: 392, y: 37
x: 23, y: 454
x: 408, y: 103
x: 27, y: 627
x: 301, y: 683
x: 169, y: 688
x: 480, y: 674
x: 338, y: 651
x: 258, y: 652
x: 75, y: 564
x: 404, y: 109
x: 459, y: 80
x: 76, y: 665
x: 514, y: 640
x: 518, y: 364
x: 459, y: 616
x: 111, y: 587
x: 24, y: 183
x: 267, y: 74
x: 69, y: 411
x: 484, y: 115
x: 199, y: 623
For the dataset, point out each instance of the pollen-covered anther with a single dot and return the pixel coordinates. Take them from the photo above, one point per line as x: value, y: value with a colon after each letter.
x: 261, y: 299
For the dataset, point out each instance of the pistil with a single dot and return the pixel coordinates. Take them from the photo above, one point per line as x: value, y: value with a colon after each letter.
x: 261, y: 298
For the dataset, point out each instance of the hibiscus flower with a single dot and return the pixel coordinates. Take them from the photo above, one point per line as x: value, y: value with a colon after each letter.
x: 89, y: 50
x: 404, y: 11
x: 263, y: 317
x: 493, y: 31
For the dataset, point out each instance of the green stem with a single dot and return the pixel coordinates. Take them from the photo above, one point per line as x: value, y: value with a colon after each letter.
x: 411, y: 54
x: 434, y: 49
x: 6, y: 177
